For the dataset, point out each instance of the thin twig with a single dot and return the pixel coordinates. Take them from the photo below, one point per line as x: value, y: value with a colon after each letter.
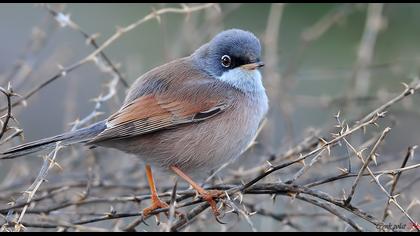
x: 333, y: 211
x: 374, y: 23
x: 8, y: 93
x: 119, y: 33
x: 410, y: 154
x: 49, y: 162
x: 90, y: 39
x: 372, y: 155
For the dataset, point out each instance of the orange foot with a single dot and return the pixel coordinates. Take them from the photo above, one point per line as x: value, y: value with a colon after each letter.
x: 210, y: 196
x: 156, y: 204
x: 206, y: 195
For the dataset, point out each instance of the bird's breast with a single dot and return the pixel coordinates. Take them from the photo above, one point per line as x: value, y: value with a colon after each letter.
x: 198, y: 148
x: 204, y: 146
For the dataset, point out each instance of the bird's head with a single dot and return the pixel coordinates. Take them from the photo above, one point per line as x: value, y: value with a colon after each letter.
x: 232, y: 56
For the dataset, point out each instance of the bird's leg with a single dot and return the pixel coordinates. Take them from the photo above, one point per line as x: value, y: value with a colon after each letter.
x: 208, y: 196
x: 156, y: 202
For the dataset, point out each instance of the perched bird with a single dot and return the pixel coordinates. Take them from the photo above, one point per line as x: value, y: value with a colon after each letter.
x: 188, y: 116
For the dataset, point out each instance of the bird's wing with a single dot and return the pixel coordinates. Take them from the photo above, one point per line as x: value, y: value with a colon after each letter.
x: 176, y: 101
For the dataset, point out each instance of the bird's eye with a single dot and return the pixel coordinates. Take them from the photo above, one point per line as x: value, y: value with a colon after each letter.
x: 226, y: 61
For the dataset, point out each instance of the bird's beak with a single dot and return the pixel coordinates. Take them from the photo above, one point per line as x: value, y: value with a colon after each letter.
x: 253, y: 66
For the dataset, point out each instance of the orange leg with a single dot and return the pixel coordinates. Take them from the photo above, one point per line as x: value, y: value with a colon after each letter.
x: 156, y: 202
x: 206, y: 195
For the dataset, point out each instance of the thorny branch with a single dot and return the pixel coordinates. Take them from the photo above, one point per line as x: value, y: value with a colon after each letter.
x: 53, y: 205
x: 396, y: 177
x: 50, y: 159
x: 325, y: 146
x: 49, y: 162
x: 4, y: 124
x: 5, y: 119
x: 371, y: 157
x: 92, y: 57
x: 90, y: 39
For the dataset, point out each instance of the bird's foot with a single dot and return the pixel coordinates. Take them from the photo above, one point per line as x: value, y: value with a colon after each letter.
x: 211, y: 196
x: 156, y: 204
x: 159, y: 204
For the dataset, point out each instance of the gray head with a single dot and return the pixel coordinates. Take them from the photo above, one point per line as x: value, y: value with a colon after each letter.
x: 228, y: 50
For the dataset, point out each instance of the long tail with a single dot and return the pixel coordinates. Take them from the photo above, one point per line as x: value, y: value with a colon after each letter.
x: 73, y: 137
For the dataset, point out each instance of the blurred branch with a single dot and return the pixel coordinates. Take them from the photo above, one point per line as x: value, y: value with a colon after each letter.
x: 273, y: 79
x: 333, y: 211
x: 29, y: 59
x: 374, y: 23
x: 289, y: 190
x: 309, y: 142
x: 120, y: 32
x: 90, y: 39
x: 76, y: 200
x: 251, y: 187
x: 313, y: 33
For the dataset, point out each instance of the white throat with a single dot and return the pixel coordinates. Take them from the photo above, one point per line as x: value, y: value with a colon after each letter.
x: 244, y: 80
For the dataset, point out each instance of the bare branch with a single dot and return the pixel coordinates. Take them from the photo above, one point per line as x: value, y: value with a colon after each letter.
x: 119, y: 32
x: 366, y: 162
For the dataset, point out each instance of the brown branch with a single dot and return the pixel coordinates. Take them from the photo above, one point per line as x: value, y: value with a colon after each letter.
x: 324, y: 145
x: 372, y: 155
x: 409, y: 90
x: 333, y: 211
x: 375, y: 178
x: 27, y: 62
x: 8, y: 93
x: 374, y: 23
x: 90, y: 39
x: 28, y: 195
x: 410, y: 154
x: 120, y: 32
x: 54, y: 199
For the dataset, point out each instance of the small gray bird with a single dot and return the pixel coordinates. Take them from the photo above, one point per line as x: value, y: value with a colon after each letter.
x: 188, y: 116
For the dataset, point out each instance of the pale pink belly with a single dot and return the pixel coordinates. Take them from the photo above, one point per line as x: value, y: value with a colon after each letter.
x: 195, y: 148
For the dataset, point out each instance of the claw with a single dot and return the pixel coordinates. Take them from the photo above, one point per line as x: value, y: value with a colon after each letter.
x: 219, y: 221
x: 156, y: 204
x: 219, y: 217
x: 144, y: 222
x: 209, y: 196
x: 235, y: 212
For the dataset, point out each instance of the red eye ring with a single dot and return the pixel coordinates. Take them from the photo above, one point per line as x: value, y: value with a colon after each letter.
x: 226, y: 61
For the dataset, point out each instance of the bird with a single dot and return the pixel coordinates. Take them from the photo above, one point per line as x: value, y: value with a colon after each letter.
x: 186, y: 117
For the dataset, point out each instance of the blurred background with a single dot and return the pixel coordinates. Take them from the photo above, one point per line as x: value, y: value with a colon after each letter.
x: 315, y: 68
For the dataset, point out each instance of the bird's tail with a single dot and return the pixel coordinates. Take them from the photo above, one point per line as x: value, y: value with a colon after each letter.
x: 73, y: 137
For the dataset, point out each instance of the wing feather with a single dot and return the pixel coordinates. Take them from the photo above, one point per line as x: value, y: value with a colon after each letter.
x: 124, y: 124
x: 181, y: 102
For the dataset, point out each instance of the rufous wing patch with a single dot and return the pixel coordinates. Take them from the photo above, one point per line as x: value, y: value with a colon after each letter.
x: 148, y: 114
